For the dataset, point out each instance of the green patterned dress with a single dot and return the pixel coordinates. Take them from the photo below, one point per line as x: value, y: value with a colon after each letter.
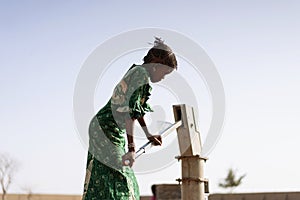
x: 106, y: 178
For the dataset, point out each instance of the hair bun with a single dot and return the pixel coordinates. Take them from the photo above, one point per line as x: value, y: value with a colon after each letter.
x: 158, y: 41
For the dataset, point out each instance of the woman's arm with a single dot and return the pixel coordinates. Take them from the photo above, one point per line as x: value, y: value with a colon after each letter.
x: 155, y: 139
x: 144, y: 126
x: 129, y: 158
x: 129, y: 123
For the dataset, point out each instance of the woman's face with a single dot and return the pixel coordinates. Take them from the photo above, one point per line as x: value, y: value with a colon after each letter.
x: 159, y: 72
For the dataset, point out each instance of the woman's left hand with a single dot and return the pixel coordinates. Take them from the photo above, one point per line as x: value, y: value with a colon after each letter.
x: 155, y: 139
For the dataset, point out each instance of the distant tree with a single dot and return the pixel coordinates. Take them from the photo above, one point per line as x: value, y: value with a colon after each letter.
x: 7, y: 170
x: 231, y: 181
x: 286, y: 197
x: 29, y: 193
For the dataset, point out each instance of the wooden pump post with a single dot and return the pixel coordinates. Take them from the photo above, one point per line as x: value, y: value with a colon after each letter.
x: 192, y: 164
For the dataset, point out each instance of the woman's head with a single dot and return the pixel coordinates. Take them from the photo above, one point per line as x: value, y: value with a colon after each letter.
x: 161, y: 53
x: 160, y: 60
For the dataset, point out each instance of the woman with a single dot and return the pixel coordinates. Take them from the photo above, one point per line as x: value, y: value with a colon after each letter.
x: 109, y: 174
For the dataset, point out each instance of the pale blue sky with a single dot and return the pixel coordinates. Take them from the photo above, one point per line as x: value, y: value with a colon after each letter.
x: 254, y: 45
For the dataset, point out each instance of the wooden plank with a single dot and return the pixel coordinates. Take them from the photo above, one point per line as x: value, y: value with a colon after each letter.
x: 188, y: 135
x: 168, y: 192
x: 190, y: 146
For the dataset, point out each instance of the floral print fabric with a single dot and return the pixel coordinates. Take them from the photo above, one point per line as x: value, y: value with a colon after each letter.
x: 106, y: 178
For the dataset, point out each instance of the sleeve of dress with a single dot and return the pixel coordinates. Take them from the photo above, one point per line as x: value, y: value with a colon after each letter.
x: 133, y: 91
x: 138, y: 105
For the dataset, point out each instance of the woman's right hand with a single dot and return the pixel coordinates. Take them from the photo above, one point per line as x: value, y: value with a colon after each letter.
x: 128, y: 158
x: 155, y: 139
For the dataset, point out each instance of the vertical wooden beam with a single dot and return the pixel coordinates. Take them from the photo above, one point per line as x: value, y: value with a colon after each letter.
x: 193, y: 182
